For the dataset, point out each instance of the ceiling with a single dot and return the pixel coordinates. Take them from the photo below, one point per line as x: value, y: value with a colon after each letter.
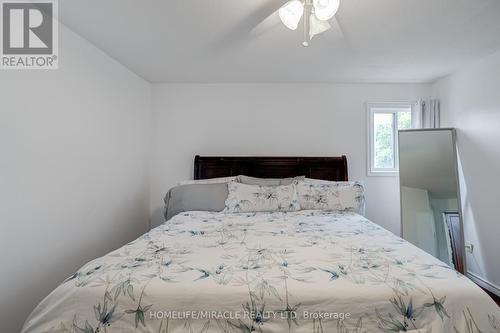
x: 217, y: 41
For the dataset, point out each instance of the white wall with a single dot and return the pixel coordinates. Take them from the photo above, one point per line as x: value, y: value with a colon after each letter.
x: 74, y: 175
x: 470, y: 102
x: 271, y: 119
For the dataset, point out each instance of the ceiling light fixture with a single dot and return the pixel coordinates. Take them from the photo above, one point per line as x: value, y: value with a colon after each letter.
x: 325, y: 9
x: 316, y: 15
x: 291, y: 13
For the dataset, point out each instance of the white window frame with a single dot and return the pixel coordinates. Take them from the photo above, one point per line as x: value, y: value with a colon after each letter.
x: 387, y: 107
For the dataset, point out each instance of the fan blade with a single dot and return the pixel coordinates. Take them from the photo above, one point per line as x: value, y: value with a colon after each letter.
x: 317, y: 26
x: 261, y: 14
x: 270, y: 23
x: 336, y: 32
x: 336, y: 36
x: 338, y: 26
x: 250, y: 25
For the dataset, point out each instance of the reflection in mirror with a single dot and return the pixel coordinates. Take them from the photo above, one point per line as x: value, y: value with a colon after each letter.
x: 430, y: 206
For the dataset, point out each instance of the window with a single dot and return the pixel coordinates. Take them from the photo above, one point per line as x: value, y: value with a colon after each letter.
x: 384, y: 121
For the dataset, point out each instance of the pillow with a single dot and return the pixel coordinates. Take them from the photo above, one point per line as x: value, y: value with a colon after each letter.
x: 331, y: 196
x: 254, y: 198
x: 318, y: 181
x: 221, y: 180
x: 206, y: 197
x: 268, y: 181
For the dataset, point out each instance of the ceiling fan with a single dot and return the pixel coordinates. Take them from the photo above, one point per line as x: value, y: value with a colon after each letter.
x: 316, y: 14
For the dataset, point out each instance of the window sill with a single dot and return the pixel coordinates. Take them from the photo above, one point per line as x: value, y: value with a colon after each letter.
x: 383, y: 173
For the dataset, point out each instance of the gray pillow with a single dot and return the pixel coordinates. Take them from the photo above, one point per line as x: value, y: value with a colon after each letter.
x: 206, y: 197
x: 268, y: 181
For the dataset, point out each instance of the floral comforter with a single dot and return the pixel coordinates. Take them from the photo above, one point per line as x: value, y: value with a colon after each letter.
x: 306, y: 271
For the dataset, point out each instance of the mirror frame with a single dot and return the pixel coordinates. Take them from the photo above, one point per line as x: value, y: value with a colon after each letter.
x: 459, y: 196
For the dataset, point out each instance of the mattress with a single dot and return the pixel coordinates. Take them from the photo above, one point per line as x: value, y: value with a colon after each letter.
x: 306, y: 271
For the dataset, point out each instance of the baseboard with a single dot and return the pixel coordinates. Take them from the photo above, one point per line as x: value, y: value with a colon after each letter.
x: 484, y: 284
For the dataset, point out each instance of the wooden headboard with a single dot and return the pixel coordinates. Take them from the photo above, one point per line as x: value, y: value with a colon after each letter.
x: 327, y: 168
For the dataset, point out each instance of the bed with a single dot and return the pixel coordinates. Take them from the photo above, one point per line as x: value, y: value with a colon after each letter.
x: 304, y: 271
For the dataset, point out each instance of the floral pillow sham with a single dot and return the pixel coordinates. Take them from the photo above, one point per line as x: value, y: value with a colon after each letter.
x: 331, y: 196
x: 255, y: 198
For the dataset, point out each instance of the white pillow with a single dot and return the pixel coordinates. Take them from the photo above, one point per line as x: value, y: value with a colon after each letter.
x: 255, y: 198
x: 220, y: 180
x: 331, y: 196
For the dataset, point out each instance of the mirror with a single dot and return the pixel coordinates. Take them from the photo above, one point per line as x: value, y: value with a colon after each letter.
x: 430, y: 207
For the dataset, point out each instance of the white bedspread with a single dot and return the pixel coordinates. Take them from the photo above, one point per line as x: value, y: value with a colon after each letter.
x: 306, y: 271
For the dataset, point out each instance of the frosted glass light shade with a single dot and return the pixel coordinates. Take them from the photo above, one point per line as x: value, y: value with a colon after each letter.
x: 291, y: 13
x: 325, y: 9
x: 317, y: 26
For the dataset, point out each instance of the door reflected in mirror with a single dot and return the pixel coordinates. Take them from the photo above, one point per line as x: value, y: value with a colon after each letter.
x: 430, y: 206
